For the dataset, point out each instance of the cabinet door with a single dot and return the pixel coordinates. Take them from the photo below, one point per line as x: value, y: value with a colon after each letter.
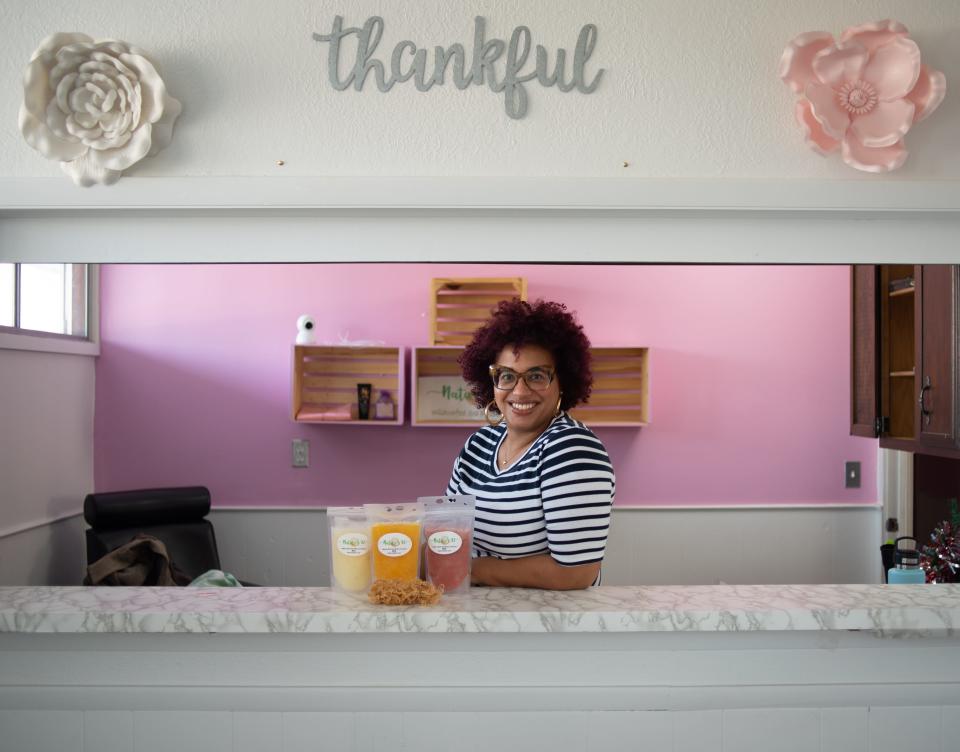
x: 863, y: 350
x: 899, y: 326
x: 937, y: 394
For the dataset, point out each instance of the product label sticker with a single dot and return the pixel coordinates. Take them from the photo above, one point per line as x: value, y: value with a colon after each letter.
x: 394, y: 544
x: 444, y: 542
x: 353, y: 544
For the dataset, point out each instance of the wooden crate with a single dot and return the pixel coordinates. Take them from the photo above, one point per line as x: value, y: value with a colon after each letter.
x: 439, y: 364
x: 325, y: 382
x: 621, y: 388
x: 458, y: 306
x: 620, y: 395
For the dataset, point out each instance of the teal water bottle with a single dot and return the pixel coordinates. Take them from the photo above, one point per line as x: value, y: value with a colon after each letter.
x: 906, y: 565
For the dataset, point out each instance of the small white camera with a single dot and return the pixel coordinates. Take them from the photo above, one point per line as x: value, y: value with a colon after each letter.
x: 305, y: 330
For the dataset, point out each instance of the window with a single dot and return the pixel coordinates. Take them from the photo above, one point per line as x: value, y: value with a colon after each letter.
x: 44, y: 298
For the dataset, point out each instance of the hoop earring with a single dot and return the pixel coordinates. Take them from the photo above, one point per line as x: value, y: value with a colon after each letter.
x: 558, y: 412
x: 492, y: 408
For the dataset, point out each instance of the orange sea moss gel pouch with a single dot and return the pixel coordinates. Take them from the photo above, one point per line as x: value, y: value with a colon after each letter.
x: 395, y: 540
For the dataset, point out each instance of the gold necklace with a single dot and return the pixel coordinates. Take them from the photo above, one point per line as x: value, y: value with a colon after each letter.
x: 505, y: 461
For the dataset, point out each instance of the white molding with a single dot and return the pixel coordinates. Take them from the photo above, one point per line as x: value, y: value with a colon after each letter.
x: 450, y: 672
x: 93, y: 305
x: 813, y: 506
x: 745, y: 507
x: 895, y: 476
x: 12, y: 530
x: 39, y: 343
x: 318, y: 194
x: 263, y: 508
x: 439, y: 698
x: 492, y: 237
x: 480, y: 220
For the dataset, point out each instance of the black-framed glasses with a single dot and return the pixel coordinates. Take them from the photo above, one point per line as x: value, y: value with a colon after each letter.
x: 538, y: 378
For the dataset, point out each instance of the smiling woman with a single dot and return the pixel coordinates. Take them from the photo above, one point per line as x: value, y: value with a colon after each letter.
x: 543, y: 482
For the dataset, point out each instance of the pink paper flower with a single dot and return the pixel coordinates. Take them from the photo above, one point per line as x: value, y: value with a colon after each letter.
x: 860, y: 96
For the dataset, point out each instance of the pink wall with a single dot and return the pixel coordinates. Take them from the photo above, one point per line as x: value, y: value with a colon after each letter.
x: 750, y: 385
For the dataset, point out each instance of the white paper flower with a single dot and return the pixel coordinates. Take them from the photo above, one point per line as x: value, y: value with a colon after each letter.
x: 98, y: 107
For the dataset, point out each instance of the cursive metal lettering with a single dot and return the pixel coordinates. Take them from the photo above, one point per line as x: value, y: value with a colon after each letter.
x: 409, y: 61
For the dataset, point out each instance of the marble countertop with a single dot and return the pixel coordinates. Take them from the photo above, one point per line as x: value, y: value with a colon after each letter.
x: 916, y: 610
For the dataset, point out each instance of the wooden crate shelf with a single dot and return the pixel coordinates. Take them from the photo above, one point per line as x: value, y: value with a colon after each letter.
x: 621, y: 388
x: 434, y: 369
x: 458, y: 306
x: 620, y: 396
x: 325, y: 382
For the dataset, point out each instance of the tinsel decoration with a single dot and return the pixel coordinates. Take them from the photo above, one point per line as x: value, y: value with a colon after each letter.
x: 941, y: 560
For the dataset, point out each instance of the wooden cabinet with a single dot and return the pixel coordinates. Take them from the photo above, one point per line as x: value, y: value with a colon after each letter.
x: 937, y: 356
x: 864, y: 352
x: 904, y: 369
x: 897, y: 294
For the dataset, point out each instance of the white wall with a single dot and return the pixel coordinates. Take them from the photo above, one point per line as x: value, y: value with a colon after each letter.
x: 49, y: 554
x: 46, y: 440
x: 690, y: 89
x: 46, y: 464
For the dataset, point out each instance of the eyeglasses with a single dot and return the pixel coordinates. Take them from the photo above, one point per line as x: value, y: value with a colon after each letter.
x: 538, y: 378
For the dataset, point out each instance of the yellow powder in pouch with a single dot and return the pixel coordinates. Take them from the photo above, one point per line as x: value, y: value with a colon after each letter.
x: 395, y: 550
x: 350, y: 558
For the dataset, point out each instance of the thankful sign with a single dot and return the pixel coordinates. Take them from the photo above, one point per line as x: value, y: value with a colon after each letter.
x: 522, y: 62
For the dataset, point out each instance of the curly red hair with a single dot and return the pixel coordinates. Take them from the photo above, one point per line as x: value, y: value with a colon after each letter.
x: 543, y: 323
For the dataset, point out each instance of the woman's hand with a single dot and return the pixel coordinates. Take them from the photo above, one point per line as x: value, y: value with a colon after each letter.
x: 540, y: 571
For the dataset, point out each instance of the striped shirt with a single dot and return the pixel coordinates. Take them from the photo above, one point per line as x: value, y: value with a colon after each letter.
x: 555, y: 498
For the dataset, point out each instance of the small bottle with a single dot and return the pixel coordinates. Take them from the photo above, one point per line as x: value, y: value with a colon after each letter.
x: 384, y: 408
x: 906, y: 569
x: 363, y: 401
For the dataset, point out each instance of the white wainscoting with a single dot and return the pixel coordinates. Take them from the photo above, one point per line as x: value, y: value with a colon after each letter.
x: 715, y: 692
x: 877, y: 729
x: 648, y: 546
x: 51, y: 553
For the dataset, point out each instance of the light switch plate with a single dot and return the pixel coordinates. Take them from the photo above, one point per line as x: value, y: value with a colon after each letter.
x: 852, y: 474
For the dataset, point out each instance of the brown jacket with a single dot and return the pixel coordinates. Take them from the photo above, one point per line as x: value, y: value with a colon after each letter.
x: 142, y: 561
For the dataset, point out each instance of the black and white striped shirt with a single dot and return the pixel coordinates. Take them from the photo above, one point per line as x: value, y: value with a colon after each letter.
x: 555, y: 498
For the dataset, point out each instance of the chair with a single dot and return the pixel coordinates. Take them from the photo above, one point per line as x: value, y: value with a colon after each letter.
x: 174, y: 515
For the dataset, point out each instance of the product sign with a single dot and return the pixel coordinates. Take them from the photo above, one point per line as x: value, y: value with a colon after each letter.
x: 446, y: 398
x: 394, y: 544
x: 444, y: 542
x: 522, y: 63
x: 353, y: 544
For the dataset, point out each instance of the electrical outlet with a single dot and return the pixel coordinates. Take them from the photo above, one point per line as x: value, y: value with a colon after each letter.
x: 852, y: 474
x: 301, y: 453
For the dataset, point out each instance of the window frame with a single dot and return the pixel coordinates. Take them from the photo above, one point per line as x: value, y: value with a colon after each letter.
x: 16, y: 338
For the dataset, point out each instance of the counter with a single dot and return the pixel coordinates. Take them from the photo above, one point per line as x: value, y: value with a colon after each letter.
x: 727, y: 667
x: 891, y: 610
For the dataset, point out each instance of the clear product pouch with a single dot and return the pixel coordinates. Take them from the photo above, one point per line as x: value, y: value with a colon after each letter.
x: 448, y: 541
x: 349, y: 549
x: 395, y: 540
